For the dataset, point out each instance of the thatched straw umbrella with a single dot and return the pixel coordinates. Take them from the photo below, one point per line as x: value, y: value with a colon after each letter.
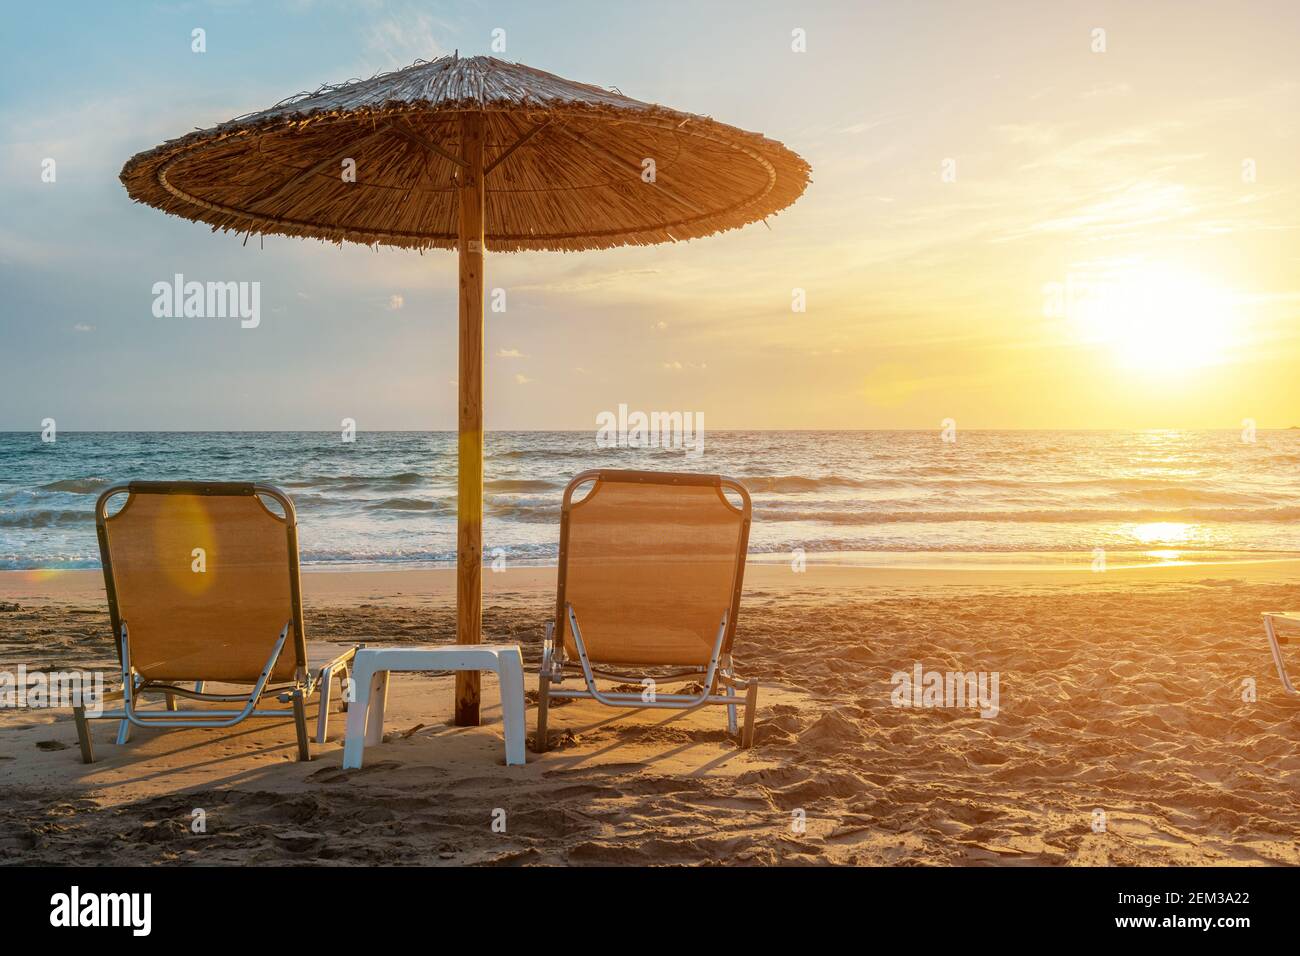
x: 457, y: 153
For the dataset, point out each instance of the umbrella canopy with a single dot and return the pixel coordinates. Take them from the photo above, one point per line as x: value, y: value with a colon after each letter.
x: 566, y: 164
x: 470, y: 154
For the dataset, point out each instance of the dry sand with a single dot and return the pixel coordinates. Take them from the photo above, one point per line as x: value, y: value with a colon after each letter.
x: 1120, y: 691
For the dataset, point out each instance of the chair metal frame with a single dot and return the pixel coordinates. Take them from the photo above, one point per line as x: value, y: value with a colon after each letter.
x: 1275, y: 645
x: 556, y: 666
x: 297, y: 692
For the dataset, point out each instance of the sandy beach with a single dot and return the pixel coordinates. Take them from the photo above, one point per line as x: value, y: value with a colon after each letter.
x: 1120, y: 692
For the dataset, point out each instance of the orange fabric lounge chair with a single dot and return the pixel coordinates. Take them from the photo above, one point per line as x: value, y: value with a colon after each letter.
x: 203, y: 588
x: 651, y: 568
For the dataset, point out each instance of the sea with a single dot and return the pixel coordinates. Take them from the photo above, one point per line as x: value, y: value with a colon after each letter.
x: 979, y: 499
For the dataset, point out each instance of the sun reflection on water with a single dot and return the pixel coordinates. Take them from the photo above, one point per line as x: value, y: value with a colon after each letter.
x: 1164, y: 532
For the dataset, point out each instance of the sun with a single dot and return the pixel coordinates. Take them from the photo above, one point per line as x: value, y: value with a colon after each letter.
x: 1160, y: 319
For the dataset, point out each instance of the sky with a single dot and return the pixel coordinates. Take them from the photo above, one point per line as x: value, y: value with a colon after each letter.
x: 1022, y: 215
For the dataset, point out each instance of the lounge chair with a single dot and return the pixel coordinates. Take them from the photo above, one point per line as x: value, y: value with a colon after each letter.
x: 1276, y: 640
x: 202, y: 581
x: 650, y: 573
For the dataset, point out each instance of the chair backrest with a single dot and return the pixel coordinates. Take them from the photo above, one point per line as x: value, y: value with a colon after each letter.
x: 205, y: 576
x: 650, y: 562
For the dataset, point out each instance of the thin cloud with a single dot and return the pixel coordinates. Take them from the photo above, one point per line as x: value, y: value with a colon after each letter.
x: 407, y: 35
x: 591, y: 279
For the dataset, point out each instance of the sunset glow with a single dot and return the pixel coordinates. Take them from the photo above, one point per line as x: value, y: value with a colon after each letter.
x: 1162, y: 320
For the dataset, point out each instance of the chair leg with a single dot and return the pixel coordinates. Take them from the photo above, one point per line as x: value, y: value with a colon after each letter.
x: 300, y: 724
x: 1275, y: 641
x: 83, y: 735
x: 751, y: 705
x: 325, y: 683
x: 731, y: 711
x: 510, y: 677
x: 540, y: 741
x: 171, y: 701
x: 123, y: 732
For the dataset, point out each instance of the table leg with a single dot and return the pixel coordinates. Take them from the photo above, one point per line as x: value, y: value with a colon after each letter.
x: 354, y: 740
x: 510, y: 676
x: 378, y: 701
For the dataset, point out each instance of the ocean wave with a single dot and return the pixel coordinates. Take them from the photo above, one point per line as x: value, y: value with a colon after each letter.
x: 518, y: 484
x: 45, y: 518
x: 523, y: 553
x: 543, y: 454
x: 47, y: 563
x: 408, y: 504
x: 518, y: 511
x: 1135, y: 490
x: 1182, y: 496
x: 77, y: 486
x: 786, y: 484
x: 1061, y: 516
x: 357, y: 482
x: 906, y: 478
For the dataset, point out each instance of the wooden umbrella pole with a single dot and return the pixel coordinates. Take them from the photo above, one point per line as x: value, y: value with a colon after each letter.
x: 469, y: 484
